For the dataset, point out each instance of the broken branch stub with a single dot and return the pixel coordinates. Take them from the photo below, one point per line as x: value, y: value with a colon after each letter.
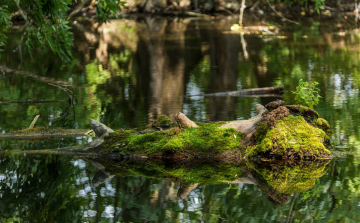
x: 247, y: 127
x: 100, y: 129
x: 184, y: 121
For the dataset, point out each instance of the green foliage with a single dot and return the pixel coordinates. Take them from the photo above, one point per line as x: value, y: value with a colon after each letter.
x: 163, y: 120
x: 58, y: 37
x: 5, y: 22
x: 307, y: 93
x: 47, y: 22
x: 41, y: 190
x: 107, y: 7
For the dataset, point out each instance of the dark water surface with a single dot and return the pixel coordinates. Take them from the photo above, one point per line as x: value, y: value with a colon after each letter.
x: 126, y: 73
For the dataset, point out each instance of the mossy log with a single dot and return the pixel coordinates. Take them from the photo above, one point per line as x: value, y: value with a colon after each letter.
x: 277, y: 132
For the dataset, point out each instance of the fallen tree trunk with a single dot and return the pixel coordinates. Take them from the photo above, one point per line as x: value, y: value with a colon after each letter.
x: 278, y: 132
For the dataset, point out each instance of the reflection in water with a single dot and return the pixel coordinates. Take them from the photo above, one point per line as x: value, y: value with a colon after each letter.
x: 63, y: 189
x: 128, y: 72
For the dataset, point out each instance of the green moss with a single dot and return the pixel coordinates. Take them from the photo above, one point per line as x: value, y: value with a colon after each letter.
x: 207, y: 138
x: 289, y: 179
x: 149, y: 126
x: 324, y: 125
x: 163, y: 121
x: 291, y: 136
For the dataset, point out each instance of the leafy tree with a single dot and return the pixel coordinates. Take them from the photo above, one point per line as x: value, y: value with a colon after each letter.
x: 48, y: 22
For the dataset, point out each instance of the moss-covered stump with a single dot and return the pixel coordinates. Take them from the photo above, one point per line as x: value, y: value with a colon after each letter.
x: 292, y: 137
x: 291, y: 132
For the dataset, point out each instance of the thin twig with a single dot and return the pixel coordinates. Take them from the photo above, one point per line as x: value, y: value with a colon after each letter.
x: 254, y: 6
x: 32, y: 75
x: 276, y: 12
x: 19, y: 47
x: 64, y: 89
x: 31, y: 101
x: 292, y: 204
x: 78, y: 9
x: 72, y: 99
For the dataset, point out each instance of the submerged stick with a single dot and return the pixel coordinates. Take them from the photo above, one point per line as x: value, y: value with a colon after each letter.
x: 242, y: 92
x: 31, y: 101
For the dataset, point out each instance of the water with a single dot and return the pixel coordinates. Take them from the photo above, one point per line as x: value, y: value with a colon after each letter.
x: 128, y: 72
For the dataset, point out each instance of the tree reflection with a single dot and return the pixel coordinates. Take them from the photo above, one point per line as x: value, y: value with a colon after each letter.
x: 38, y: 189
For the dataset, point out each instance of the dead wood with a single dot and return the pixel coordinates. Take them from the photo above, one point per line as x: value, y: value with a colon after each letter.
x: 249, y: 126
x: 185, y: 190
x: 242, y: 92
x: 184, y: 121
x: 31, y: 101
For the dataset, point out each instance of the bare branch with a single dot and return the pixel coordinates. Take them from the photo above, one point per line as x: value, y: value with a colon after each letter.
x: 78, y: 9
x: 21, y: 11
x: 276, y: 12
